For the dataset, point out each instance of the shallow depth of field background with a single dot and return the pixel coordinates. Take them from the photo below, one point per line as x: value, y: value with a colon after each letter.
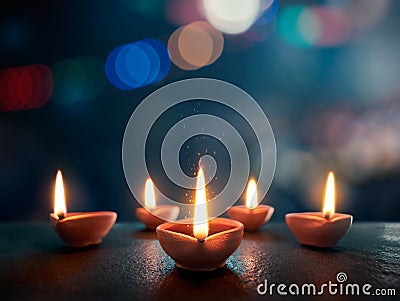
x: 326, y: 73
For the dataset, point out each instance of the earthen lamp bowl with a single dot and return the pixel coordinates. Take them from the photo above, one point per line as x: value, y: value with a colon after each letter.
x: 252, y: 219
x: 83, y: 229
x: 313, y: 229
x: 153, y: 218
x: 189, y: 253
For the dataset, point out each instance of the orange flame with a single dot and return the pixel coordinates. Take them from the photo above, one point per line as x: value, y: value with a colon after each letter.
x: 200, y: 227
x: 251, y: 194
x: 60, y: 208
x: 149, y: 195
x: 329, y: 198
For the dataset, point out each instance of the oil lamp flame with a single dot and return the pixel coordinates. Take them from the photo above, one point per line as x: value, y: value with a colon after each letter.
x: 329, y: 198
x: 200, y: 226
x: 149, y: 196
x: 59, y: 196
x: 251, y: 194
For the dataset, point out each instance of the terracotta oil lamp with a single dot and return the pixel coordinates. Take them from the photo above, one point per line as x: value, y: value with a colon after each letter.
x: 78, y: 229
x: 198, y: 244
x: 153, y: 215
x: 320, y: 229
x: 251, y: 215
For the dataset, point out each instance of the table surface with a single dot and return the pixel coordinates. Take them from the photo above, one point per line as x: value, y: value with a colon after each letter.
x: 130, y: 264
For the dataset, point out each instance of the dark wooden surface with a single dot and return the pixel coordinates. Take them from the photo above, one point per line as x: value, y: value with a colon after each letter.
x: 130, y: 265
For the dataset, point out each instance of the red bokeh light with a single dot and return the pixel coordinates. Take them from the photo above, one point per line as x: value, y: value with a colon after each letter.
x: 25, y: 88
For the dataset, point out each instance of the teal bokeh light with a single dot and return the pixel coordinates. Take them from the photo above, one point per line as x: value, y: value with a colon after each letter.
x: 288, y: 26
x: 78, y: 79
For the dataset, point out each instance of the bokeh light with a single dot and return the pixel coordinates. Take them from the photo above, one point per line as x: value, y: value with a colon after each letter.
x: 25, y: 88
x: 314, y: 25
x: 195, y: 45
x: 324, y: 25
x: 182, y: 12
x: 268, y: 12
x: 334, y: 23
x: 232, y: 16
x: 288, y: 26
x: 364, y: 14
x: 261, y: 29
x: 328, y: 25
x: 132, y: 65
x: 111, y: 71
x: 360, y: 144
x: 70, y: 80
x: 147, y: 8
x: 372, y: 144
x: 78, y: 79
x: 137, y: 64
x: 174, y: 52
x: 163, y: 56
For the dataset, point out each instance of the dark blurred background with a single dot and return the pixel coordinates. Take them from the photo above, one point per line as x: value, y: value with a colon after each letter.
x: 326, y: 73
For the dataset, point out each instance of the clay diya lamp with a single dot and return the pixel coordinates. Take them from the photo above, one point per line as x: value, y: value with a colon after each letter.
x: 78, y: 229
x: 320, y: 229
x: 152, y: 215
x: 251, y: 215
x: 198, y: 244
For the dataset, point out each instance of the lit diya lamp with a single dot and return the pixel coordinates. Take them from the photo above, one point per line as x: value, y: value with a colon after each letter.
x: 152, y: 215
x: 198, y: 244
x: 78, y: 229
x: 320, y: 229
x: 252, y: 215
